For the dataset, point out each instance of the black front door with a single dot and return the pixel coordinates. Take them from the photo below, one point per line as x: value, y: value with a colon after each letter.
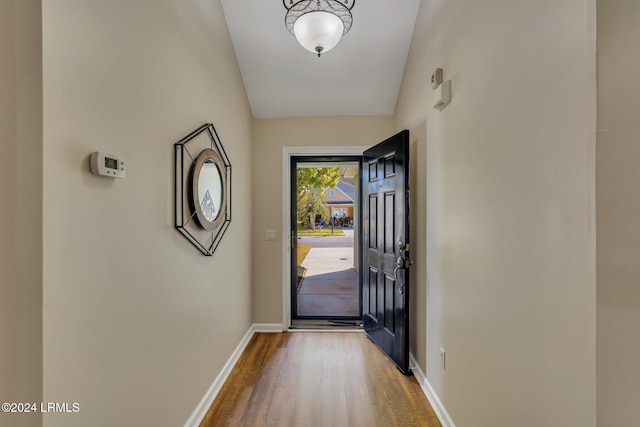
x: 385, y: 249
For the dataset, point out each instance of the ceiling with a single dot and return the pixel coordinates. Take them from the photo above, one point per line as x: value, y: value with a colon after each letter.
x: 360, y: 76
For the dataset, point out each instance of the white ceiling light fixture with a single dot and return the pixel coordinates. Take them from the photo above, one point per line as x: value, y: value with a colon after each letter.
x: 318, y: 25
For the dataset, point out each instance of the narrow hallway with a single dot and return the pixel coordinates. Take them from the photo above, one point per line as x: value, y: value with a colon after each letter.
x: 318, y: 379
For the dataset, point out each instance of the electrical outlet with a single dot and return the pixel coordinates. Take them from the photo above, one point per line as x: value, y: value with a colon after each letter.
x: 443, y: 358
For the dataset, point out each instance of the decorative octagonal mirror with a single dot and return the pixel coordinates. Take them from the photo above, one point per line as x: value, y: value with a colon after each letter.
x: 203, y: 189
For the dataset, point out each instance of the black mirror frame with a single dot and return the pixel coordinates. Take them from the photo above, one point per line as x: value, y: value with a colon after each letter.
x: 203, y: 234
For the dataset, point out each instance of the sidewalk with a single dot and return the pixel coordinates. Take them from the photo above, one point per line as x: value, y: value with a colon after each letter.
x: 330, y: 286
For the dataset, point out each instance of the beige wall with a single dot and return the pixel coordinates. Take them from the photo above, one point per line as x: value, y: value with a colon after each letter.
x: 510, y: 210
x: 618, y: 213
x: 418, y: 238
x: 20, y: 207
x: 269, y: 137
x: 137, y: 323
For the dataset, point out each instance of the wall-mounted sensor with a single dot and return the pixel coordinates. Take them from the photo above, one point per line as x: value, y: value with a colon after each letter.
x: 437, y: 78
x: 105, y: 164
x: 442, y: 95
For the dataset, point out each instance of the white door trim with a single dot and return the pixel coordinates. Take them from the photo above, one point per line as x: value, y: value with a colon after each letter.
x: 287, y: 153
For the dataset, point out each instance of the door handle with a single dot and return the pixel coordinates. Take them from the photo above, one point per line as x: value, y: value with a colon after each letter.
x: 401, y: 264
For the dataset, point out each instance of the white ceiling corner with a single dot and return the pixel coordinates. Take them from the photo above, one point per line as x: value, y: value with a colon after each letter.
x: 360, y: 76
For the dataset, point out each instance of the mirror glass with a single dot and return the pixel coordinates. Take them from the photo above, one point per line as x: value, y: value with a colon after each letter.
x: 210, y: 190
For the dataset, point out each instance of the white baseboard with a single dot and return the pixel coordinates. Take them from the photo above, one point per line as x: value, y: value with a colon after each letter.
x: 432, y: 397
x: 268, y: 327
x: 206, y: 402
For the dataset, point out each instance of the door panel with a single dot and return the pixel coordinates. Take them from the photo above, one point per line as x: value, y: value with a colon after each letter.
x: 385, y: 185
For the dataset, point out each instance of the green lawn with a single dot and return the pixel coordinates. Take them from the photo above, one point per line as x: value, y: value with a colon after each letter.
x: 302, y: 253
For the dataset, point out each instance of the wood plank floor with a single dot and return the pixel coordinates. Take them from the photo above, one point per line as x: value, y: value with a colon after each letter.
x: 318, y: 379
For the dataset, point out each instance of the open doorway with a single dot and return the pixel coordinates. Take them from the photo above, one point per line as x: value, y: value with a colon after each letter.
x: 382, y: 251
x: 325, y: 229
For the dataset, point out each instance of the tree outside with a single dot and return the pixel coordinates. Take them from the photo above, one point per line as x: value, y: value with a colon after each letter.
x: 310, y: 205
x: 311, y: 183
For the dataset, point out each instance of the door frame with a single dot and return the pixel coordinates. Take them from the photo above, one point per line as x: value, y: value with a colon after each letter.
x: 287, y: 153
x: 329, y: 161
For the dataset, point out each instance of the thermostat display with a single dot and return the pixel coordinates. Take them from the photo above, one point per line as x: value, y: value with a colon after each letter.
x: 107, y: 165
x: 110, y: 163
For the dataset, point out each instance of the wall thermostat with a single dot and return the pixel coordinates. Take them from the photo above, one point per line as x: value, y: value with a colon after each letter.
x: 107, y: 165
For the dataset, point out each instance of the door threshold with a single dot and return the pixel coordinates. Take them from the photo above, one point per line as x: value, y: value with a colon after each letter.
x: 321, y: 324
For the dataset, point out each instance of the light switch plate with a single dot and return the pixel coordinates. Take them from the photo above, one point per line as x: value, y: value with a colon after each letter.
x: 270, y: 235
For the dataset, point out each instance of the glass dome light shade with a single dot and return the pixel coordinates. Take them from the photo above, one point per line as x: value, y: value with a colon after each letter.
x: 318, y: 31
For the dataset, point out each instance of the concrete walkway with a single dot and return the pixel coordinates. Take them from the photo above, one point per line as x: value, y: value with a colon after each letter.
x: 330, y: 286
